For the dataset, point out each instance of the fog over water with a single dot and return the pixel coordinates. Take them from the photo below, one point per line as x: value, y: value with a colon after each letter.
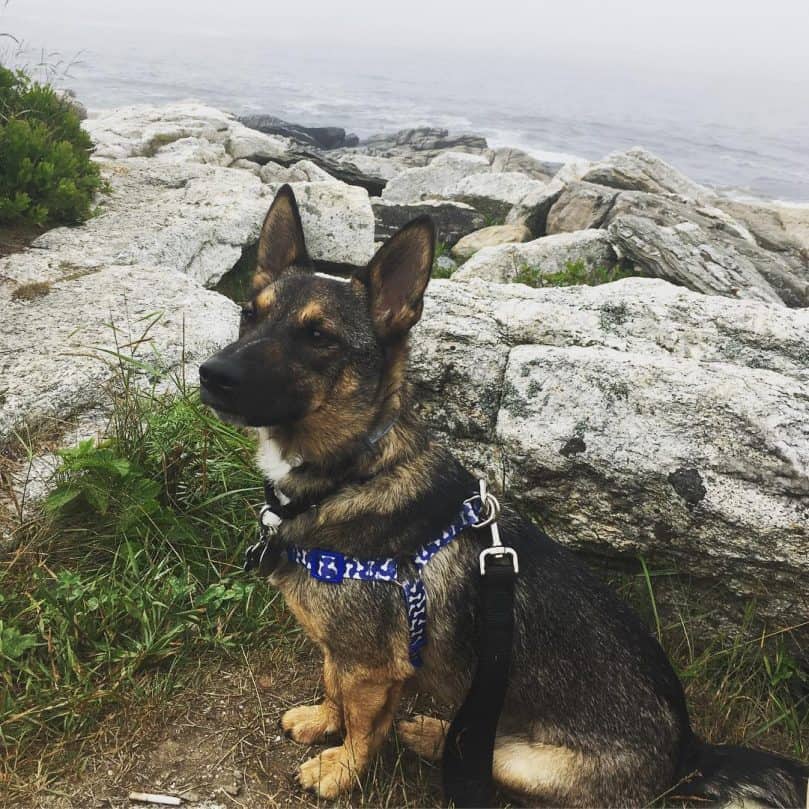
x: 720, y: 89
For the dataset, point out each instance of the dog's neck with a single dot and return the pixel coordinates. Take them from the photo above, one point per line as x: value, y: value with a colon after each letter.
x: 383, y: 442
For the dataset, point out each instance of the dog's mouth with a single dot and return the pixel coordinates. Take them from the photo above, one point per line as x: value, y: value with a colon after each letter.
x: 223, y: 410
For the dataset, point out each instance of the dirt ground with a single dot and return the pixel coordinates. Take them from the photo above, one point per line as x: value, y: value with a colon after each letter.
x: 14, y: 238
x: 218, y: 745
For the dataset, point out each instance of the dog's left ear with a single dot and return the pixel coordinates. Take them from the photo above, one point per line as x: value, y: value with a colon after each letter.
x: 281, y: 244
x: 397, y: 277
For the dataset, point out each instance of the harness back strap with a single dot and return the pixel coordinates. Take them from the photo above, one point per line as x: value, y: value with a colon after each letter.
x: 469, y: 748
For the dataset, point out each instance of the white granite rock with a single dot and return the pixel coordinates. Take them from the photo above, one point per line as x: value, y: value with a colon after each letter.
x: 548, y: 255
x: 434, y: 180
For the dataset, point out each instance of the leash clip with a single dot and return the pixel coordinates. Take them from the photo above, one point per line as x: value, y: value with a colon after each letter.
x: 269, y: 521
x: 491, y: 506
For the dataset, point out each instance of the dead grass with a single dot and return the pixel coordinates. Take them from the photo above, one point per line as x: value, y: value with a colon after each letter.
x: 29, y: 292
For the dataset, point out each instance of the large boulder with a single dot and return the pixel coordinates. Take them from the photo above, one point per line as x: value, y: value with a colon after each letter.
x: 689, y: 255
x: 507, y: 158
x: 385, y: 168
x: 434, y: 180
x: 490, y: 237
x: 532, y: 210
x: 422, y: 144
x: 639, y: 170
x: 304, y: 171
x: 580, y: 206
x: 700, y: 245
x: 494, y: 194
x: 338, y: 222
x: 453, y: 220
x: 545, y: 256
x: 635, y: 418
x: 774, y: 227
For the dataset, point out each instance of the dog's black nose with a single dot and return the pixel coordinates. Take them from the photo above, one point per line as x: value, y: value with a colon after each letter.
x: 219, y: 375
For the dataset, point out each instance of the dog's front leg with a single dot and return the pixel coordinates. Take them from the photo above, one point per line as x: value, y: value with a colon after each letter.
x: 312, y: 724
x: 369, y: 700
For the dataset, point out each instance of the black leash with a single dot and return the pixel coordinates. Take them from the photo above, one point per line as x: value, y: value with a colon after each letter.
x: 469, y: 746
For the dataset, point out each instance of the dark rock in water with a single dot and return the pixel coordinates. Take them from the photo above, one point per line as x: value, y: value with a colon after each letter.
x: 425, y: 138
x: 351, y: 140
x: 327, y: 137
x: 453, y: 220
x: 341, y: 170
x: 323, y: 137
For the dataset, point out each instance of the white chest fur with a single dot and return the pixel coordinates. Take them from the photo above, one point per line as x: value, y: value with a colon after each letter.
x: 271, y: 462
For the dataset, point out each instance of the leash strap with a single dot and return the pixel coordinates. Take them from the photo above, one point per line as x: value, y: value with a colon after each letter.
x: 469, y: 747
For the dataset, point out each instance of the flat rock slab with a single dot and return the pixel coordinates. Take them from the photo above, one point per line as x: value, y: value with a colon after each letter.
x: 190, y: 217
x: 143, y: 130
x: 58, y: 349
x: 635, y: 418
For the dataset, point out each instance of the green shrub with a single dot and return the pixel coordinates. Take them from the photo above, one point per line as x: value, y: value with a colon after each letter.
x: 46, y: 174
x: 575, y: 273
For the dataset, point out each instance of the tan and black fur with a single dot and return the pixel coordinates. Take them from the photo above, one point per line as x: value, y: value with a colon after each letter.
x: 594, y: 713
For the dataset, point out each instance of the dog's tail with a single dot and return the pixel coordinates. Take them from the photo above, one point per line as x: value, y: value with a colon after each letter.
x: 731, y: 774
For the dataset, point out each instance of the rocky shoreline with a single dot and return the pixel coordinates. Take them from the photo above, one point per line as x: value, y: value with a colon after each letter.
x: 665, y: 414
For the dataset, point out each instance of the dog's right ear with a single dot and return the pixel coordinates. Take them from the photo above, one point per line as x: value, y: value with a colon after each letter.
x: 281, y: 244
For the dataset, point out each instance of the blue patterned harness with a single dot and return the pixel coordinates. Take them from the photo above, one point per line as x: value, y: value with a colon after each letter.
x: 334, y: 567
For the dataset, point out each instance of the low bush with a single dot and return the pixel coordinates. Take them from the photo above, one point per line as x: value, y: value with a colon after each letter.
x: 575, y: 273
x: 46, y: 175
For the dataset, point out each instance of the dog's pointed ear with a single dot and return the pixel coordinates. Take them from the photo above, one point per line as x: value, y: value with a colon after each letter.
x: 397, y: 277
x: 281, y: 244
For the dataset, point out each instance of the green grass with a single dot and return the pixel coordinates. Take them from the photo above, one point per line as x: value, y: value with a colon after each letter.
x: 575, y: 273
x: 744, y: 685
x: 131, y: 573
x: 441, y: 250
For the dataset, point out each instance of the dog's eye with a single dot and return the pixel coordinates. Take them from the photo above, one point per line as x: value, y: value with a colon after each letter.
x: 248, y: 312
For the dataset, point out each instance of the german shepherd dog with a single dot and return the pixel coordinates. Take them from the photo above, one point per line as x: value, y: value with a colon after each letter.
x: 594, y: 715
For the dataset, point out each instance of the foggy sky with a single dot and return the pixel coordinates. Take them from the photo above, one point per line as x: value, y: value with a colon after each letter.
x: 718, y: 37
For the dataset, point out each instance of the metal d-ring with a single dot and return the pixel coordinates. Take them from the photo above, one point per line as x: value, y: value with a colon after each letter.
x: 491, y: 504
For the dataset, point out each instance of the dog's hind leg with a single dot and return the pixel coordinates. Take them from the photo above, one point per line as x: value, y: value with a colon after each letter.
x: 311, y: 724
x: 521, y: 767
x: 424, y: 735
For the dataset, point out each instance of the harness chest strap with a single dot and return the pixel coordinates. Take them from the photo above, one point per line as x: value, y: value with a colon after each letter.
x: 334, y: 567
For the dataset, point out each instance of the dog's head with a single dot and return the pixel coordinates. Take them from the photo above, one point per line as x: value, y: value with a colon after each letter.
x: 311, y: 349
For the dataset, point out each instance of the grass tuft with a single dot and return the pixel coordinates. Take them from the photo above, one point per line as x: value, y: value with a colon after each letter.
x: 576, y: 273
x: 32, y: 291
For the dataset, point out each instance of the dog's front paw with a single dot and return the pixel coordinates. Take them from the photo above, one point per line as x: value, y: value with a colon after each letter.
x: 328, y: 774
x: 310, y: 724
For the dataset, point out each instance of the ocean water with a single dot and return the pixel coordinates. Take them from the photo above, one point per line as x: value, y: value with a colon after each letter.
x: 725, y: 131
